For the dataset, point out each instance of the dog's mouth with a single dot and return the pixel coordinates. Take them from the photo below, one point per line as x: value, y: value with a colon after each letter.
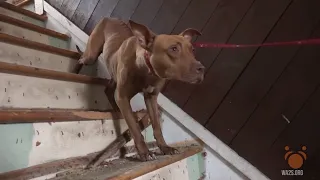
x: 194, y: 79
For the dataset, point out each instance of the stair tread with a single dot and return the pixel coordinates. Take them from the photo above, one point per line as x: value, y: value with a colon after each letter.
x: 38, y: 46
x: 49, y: 74
x: 127, y: 168
x: 30, y: 26
x: 21, y: 115
x: 23, y: 11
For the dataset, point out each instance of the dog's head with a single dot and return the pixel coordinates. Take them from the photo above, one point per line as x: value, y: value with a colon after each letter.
x: 171, y: 56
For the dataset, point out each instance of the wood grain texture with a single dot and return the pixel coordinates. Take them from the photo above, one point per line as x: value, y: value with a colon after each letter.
x: 222, y: 23
x: 103, y: 9
x: 55, y: 3
x: 168, y: 16
x: 49, y: 74
x: 254, y: 28
x: 146, y: 11
x: 125, y: 9
x: 38, y: 46
x: 303, y: 131
x: 83, y: 12
x: 298, y: 22
x: 126, y: 169
x: 195, y: 16
x: 68, y: 7
x: 8, y: 116
x: 282, y: 103
x: 32, y: 27
x: 23, y: 11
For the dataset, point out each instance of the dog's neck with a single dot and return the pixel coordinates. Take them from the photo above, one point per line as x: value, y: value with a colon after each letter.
x: 146, y: 56
x: 143, y: 62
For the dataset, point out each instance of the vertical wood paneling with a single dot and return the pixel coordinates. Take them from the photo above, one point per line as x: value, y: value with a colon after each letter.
x: 83, y: 12
x: 298, y: 22
x: 230, y: 63
x: 103, y: 9
x: 219, y: 28
x: 281, y: 104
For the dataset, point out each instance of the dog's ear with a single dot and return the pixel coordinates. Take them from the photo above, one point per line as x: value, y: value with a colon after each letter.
x: 144, y: 35
x: 189, y: 33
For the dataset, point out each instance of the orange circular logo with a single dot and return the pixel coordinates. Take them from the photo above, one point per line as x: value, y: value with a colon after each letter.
x: 295, y: 159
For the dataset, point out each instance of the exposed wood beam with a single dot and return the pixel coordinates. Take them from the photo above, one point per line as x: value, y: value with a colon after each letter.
x: 23, y: 11
x: 57, y: 115
x: 49, y: 74
x: 32, y: 27
x: 38, y: 46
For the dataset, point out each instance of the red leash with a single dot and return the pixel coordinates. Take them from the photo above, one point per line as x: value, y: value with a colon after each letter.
x: 285, y: 43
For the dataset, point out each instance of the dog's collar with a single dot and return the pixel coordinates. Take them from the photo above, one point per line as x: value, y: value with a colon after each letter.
x: 147, y: 59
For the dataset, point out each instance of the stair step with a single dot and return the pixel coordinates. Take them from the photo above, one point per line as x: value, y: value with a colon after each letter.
x: 25, y: 25
x: 49, y: 74
x: 14, y: 115
x: 23, y: 11
x: 127, y: 168
x: 16, y: 54
x: 38, y: 46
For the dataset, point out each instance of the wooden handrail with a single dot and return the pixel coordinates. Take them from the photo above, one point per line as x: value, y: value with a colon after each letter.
x: 10, y: 115
x: 32, y: 27
x: 38, y: 46
x: 49, y: 74
x: 23, y: 11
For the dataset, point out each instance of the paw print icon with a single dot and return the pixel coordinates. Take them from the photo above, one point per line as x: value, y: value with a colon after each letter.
x: 295, y: 159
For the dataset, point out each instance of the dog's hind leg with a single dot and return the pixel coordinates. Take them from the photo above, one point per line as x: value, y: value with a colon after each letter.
x: 93, y: 48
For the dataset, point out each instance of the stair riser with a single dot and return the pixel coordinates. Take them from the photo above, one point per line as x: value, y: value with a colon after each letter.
x: 21, y: 17
x: 29, y: 57
x: 32, y: 35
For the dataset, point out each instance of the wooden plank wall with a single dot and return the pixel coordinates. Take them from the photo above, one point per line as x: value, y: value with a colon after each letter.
x: 257, y: 100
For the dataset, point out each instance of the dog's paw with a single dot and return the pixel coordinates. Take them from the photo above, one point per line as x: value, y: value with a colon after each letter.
x: 82, y: 61
x: 167, y: 150
x: 150, y: 156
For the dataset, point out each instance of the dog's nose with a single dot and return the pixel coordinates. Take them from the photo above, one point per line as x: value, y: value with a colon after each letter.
x: 200, y: 68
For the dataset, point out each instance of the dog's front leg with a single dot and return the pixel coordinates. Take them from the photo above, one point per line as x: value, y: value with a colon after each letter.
x: 135, y: 131
x: 152, y: 108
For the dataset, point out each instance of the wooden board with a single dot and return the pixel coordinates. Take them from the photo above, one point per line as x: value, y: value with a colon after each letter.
x: 30, y: 92
x: 13, y: 115
x: 21, y: 17
x: 298, y: 22
x: 103, y: 9
x: 295, y: 137
x: 83, y: 12
x: 281, y: 105
x: 125, y: 9
x: 196, y: 16
x: 33, y: 27
x: 129, y: 168
x: 146, y: 11
x: 168, y: 16
x: 30, y: 57
x: 30, y: 35
x: 254, y: 28
x: 218, y: 29
x: 69, y: 7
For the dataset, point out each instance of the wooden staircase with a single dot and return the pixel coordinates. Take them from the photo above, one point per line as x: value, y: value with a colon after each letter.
x: 37, y: 86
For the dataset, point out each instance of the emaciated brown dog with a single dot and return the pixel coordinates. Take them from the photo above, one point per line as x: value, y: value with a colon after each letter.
x: 141, y: 61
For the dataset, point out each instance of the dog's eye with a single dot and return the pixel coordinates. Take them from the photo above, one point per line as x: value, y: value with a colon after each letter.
x: 174, y: 48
